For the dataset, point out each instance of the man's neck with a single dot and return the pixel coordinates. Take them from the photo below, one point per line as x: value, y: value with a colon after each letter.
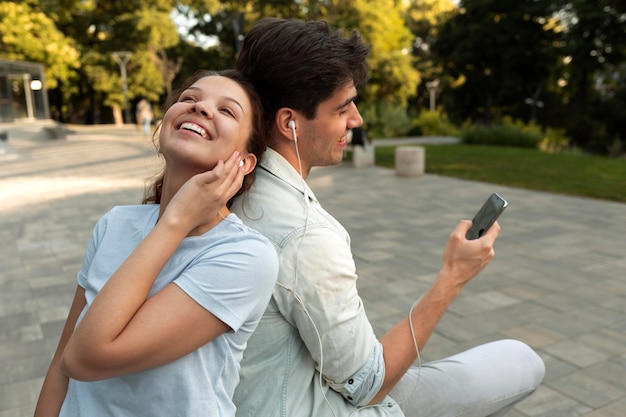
x: 288, y: 152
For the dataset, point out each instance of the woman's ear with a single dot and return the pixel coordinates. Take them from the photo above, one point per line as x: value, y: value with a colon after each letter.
x: 249, y: 162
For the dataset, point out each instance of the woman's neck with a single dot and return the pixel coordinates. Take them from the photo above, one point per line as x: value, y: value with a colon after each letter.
x: 171, y: 185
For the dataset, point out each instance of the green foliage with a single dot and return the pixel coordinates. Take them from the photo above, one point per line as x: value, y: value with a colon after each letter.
x: 380, y: 23
x: 424, y: 18
x: 565, y: 173
x: 501, y: 53
x: 142, y: 28
x: 29, y: 35
x: 434, y: 123
x: 490, y: 57
x: 393, y: 78
x: 595, y: 44
x: 385, y: 120
x: 501, y: 134
x: 516, y: 133
x: 554, y: 140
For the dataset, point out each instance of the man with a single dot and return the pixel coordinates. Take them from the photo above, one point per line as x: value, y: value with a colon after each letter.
x: 314, y: 352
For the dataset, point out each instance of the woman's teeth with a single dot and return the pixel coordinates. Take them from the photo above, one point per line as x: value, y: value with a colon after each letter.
x: 194, y: 128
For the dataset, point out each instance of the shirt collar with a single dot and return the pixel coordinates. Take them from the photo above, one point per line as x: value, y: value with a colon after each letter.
x: 274, y: 163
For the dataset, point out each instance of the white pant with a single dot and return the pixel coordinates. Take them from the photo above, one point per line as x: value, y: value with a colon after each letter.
x: 484, y: 381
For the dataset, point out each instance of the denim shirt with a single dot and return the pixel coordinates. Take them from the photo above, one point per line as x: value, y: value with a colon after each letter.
x: 314, y: 349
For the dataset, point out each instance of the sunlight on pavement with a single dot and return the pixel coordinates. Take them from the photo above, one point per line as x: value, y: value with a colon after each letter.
x: 18, y: 193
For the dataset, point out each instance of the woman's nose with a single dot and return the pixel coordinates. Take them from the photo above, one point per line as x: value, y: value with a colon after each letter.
x: 202, y: 108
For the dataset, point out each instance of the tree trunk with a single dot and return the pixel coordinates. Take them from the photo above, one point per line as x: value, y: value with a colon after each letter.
x: 117, y: 115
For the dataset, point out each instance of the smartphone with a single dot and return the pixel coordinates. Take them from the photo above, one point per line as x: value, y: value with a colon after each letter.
x: 486, y: 216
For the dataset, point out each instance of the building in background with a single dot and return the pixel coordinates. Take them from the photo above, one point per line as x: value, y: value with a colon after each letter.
x: 23, y: 95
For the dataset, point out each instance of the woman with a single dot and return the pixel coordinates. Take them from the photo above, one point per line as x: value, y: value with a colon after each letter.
x: 169, y: 293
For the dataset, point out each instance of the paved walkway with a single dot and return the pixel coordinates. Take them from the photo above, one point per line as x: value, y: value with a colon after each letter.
x: 558, y: 281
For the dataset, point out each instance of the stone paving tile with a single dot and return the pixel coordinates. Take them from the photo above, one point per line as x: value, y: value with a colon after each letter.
x: 596, y: 387
x: 557, y: 281
x: 546, y: 402
x: 616, y: 409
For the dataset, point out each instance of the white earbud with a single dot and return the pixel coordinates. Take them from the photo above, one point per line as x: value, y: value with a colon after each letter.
x: 292, y: 126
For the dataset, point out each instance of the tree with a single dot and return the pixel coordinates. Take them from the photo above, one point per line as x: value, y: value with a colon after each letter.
x: 595, y: 47
x: 29, y: 35
x: 83, y: 34
x: 98, y: 29
x: 499, y: 53
x: 393, y: 76
x: 424, y: 18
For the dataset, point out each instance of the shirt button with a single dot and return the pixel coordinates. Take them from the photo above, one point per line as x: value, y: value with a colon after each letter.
x: 351, y: 381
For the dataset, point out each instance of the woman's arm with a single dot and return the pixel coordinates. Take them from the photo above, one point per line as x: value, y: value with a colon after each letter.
x: 123, y: 331
x: 55, y: 384
x: 167, y: 326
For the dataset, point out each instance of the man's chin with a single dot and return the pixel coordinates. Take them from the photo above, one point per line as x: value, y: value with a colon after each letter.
x: 336, y: 160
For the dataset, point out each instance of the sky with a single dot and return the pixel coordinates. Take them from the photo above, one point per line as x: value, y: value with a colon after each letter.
x: 184, y: 23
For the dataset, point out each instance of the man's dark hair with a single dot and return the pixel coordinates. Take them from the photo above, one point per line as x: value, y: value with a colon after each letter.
x: 300, y: 64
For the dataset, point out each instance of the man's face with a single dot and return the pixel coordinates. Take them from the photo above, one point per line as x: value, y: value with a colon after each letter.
x: 321, y: 141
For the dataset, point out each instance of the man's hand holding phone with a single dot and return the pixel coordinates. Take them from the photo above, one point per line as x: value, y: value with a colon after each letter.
x: 486, y: 216
x: 464, y: 259
x: 470, y: 247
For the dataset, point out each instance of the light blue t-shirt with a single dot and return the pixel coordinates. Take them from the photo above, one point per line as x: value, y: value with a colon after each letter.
x: 230, y: 270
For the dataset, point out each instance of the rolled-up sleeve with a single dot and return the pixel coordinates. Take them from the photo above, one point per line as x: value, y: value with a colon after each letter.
x: 361, y: 387
x: 319, y: 297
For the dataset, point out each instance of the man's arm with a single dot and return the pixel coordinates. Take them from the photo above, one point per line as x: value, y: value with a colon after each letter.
x: 324, y: 305
x: 462, y: 260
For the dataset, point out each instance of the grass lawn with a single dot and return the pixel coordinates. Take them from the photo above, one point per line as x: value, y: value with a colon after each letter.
x: 573, y: 174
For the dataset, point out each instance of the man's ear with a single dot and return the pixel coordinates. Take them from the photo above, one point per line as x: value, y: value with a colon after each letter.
x: 283, y: 117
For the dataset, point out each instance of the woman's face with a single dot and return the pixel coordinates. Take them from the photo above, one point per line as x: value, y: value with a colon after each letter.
x: 210, y: 120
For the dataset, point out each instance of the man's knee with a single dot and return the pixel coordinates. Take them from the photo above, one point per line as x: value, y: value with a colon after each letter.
x: 529, y: 361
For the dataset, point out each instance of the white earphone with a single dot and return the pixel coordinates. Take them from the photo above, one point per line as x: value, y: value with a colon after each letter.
x: 292, y: 126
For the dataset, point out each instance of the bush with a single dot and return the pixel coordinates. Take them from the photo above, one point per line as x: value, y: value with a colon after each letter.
x: 385, y: 120
x: 505, y: 133
x: 433, y: 124
x: 554, y: 140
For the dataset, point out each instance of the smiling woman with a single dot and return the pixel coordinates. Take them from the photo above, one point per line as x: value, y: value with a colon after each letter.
x: 169, y: 292
x: 210, y: 120
x: 219, y: 106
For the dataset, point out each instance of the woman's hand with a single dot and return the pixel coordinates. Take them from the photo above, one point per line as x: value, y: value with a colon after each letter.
x: 199, y: 200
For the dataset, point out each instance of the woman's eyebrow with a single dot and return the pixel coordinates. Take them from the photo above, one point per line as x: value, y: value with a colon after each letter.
x: 231, y: 99
x: 235, y: 102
